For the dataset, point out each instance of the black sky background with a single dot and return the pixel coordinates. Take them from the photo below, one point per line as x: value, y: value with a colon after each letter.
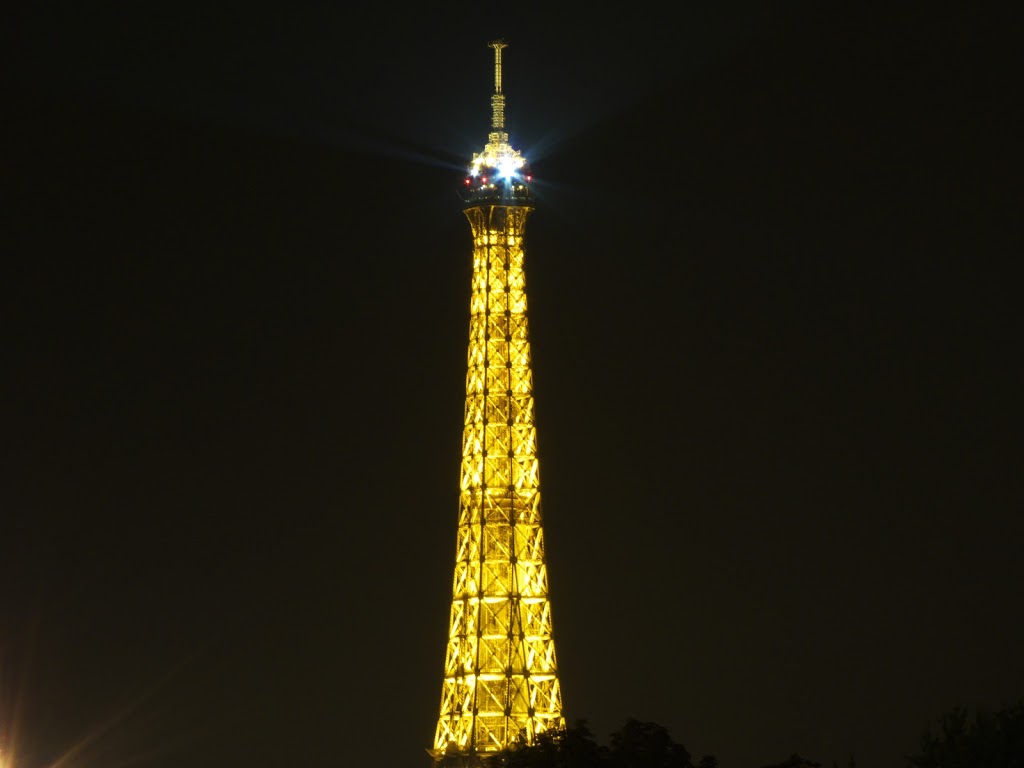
x: 776, y: 333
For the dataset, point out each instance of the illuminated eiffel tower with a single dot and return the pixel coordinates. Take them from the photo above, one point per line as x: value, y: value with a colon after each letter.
x: 501, y: 682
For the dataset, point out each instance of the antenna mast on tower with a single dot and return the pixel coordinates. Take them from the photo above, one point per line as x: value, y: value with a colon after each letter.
x: 499, y: 172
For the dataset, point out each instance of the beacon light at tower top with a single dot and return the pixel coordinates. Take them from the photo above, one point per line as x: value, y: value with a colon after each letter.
x: 498, y: 159
x: 499, y: 172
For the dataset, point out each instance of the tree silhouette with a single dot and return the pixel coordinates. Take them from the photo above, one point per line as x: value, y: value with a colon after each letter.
x: 636, y: 745
x: 988, y: 740
x: 795, y: 761
x: 646, y: 745
x: 562, y: 748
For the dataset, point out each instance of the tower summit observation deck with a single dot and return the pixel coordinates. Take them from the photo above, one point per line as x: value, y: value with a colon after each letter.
x: 500, y: 685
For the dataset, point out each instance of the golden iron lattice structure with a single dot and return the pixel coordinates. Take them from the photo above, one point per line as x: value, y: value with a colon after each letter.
x: 501, y: 684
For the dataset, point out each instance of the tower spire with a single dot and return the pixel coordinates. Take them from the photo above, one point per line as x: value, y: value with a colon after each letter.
x: 499, y: 172
x: 498, y: 99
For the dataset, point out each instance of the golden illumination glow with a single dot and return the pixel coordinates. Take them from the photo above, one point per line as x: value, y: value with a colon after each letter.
x: 500, y: 674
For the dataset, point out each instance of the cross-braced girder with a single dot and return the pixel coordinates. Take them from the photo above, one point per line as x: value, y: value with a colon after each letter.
x: 501, y: 677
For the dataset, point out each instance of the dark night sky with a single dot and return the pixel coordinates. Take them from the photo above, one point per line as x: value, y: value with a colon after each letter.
x: 776, y: 336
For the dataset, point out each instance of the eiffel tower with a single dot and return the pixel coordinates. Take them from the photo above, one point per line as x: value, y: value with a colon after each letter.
x: 500, y: 685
